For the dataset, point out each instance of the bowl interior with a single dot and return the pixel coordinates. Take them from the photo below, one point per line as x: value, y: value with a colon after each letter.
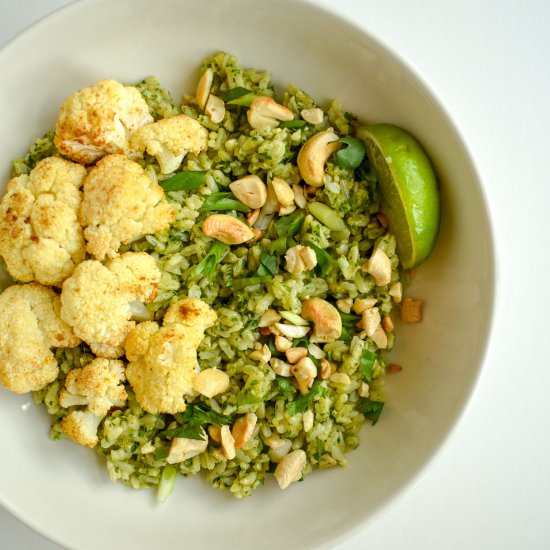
x: 329, y: 58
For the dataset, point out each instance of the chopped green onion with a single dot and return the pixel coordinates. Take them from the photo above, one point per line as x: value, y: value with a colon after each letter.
x: 184, y: 181
x: 352, y: 156
x: 238, y: 96
x: 167, y: 483
x: 207, y: 266
x: 293, y: 124
x: 371, y: 410
x: 279, y: 246
x: 327, y: 216
x: 222, y: 202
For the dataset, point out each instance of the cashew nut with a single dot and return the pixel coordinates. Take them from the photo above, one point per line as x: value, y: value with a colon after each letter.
x: 326, y: 368
x: 379, y: 266
x: 300, y: 258
x: 283, y: 192
x: 250, y: 190
x: 290, y: 468
x: 307, y: 420
x: 263, y: 354
x: 215, y: 433
x: 243, y: 428
x: 278, y: 448
x: 305, y: 372
x: 183, y: 448
x: 269, y: 318
x: 363, y: 390
x: 314, y: 154
x: 290, y: 331
x: 315, y: 351
x: 370, y: 320
x: 344, y: 305
x: 203, y: 88
x: 280, y: 367
x: 380, y: 338
x: 227, y: 229
x: 211, y: 382
x: 411, y: 311
x: 228, y: 443
x: 215, y: 109
x: 325, y: 317
x: 361, y: 304
x: 299, y: 196
x: 252, y: 217
x: 387, y: 323
x: 264, y: 112
x: 313, y: 116
x: 293, y: 355
x: 340, y: 378
x: 286, y: 210
x: 396, y: 292
x: 282, y: 343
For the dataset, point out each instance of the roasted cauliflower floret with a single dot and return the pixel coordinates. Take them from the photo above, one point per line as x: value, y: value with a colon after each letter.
x: 120, y: 204
x: 169, y: 140
x: 40, y: 236
x: 81, y: 426
x: 97, y: 300
x: 97, y: 120
x: 163, y: 361
x: 30, y: 326
x: 99, y: 386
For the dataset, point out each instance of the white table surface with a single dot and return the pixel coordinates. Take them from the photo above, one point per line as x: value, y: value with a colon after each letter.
x: 489, y: 63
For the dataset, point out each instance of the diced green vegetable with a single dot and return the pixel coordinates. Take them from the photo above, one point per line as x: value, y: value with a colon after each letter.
x: 352, y: 156
x: 301, y: 404
x: 290, y: 225
x: 189, y: 432
x: 327, y: 216
x: 167, y: 482
x: 184, y: 181
x: 284, y: 386
x: 222, y: 202
x: 371, y: 409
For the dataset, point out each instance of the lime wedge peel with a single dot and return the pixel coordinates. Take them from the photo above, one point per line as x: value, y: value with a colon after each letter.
x: 408, y: 187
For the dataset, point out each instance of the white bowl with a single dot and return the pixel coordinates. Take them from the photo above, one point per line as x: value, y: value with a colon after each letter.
x: 62, y: 490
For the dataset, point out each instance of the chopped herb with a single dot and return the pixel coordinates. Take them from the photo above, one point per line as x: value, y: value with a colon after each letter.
x: 301, y: 404
x: 325, y: 262
x: 302, y: 342
x: 207, y: 266
x: 192, y: 421
x: 349, y: 319
x: 352, y: 156
x: 293, y: 124
x: 268, y: 264
x: 347, y: 334
x: 161, y: 453
x: 284, y: 386
x: 273, y: 349
x: 238, y: 96
x: 320, y: 450
x: 248, y: 399
x: 279, y: 246
x: 184, y: 181
x: 237, y: 284
x: 371, y: 409
x: 288, y: 226
x: 271, y: 468
x: 189, y: 432
x: 367, y: 362
x: 222, y: 202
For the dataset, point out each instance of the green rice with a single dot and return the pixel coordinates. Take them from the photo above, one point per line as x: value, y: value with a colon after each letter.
x: 131, y: 440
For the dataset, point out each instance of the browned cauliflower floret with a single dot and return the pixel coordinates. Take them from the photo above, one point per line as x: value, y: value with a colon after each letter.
x: 99, y: 386
x: 40, y: 236
x: 169, y: 140
x: 163, y: 361
x: 29, y: 327
x: 97, y: 300
x: 120, y: 204
x: 97, y: 120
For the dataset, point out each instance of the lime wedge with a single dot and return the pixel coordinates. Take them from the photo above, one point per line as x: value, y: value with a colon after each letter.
x: 408, y: 188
